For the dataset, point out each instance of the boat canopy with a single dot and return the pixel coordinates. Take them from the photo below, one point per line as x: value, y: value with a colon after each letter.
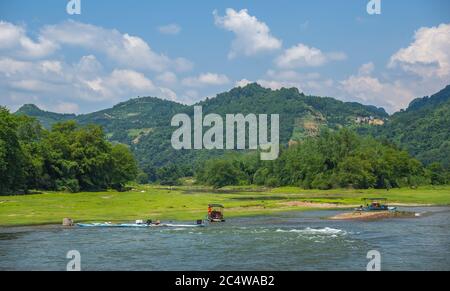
x: 216, y: 205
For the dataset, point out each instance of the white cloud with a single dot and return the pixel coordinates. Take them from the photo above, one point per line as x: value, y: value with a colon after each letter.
x: 366, y: 69
x: 170, y: 29
x: 29, y: 85
x: 51, y: 66
x: 367, y: 89
x: 304, y: 56
x: 251, y: 35
x: 52, y: 82
x: 131, y: 79
x: 428, y: 55
x: 66, y: 107
x: 89, y: 67
x: 309, y: 83
x: 206, y: 79
x: 10, y: 66
x: 14, y: 39
x: 30, y: 73
x: 122, y: 84
x: 424, y: 69
x: 242, y: 83
x: 168, y: 78
x: 123, y: 49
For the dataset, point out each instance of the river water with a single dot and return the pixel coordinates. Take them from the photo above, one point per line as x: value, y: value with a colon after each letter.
x: 288, y: 241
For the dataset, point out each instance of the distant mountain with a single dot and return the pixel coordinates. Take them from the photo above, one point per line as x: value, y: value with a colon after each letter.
x: 46, y: 118
x: 144, y: 123
x: 423, y: 128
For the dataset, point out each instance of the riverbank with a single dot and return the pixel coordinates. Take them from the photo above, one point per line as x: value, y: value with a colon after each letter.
x: 189, y: 203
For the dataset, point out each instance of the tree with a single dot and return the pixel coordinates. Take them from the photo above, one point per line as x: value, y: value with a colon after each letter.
x: 438, y: 175
x: 124, y: 168
x: 332, y: 159
x: 219, y: 173
x: 12, y: 174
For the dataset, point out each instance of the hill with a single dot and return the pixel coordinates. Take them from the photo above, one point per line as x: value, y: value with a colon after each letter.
x: 46, y: 118
x: 423, y: 128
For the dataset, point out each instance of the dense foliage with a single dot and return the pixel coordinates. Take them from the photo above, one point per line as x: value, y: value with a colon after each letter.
x: 67, y: 158
x: 332, y: 160
x: 423, y: 129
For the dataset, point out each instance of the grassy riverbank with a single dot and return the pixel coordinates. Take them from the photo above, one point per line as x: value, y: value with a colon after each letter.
x: 190, y: 203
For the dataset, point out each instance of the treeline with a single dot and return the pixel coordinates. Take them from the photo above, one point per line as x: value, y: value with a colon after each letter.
x: 332, y: 160
x: 66, y: 158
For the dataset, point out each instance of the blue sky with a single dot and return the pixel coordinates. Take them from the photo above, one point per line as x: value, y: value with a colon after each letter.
x: 189, y: 50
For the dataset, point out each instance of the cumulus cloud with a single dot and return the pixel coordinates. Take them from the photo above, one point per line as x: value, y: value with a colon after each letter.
x: 168, y: 78
x: 122, y: 49
x: 428, y: 55
x: 303, y: 56
x: 251, y: 35
x: 14, y: 39
x: 423, y: 69
x: 57, y: 86
x: 30, y: 72
x: 206, y: 79
x: 368, y: 89
x: 125, y: 49
x: 172, y: 29
x: 309, y: 83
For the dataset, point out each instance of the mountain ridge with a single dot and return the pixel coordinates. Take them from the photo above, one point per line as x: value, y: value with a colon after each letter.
x: 144, y: 122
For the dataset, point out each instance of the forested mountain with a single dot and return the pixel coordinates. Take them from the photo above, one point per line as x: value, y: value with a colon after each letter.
x: 423, y: 129
x: 300, y: 115
x: 144, y: 123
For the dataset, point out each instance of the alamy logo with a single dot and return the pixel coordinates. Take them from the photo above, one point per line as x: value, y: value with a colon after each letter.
x: 75, y: 261
x: 73, y: 7
x: 236, y: 124
x: 374, y: 7
x: 375, y: 261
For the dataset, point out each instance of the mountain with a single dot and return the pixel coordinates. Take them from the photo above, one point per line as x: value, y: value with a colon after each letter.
x: 423, y: 128
x: 46, y: 118
x: 144, y: 123
x: 300, y: 115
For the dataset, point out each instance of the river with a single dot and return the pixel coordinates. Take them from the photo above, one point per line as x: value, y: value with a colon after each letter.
x: 288, y: 241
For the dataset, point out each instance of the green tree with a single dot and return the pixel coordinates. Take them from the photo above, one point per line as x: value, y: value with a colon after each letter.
x: 124, y: 168
x: 219, y: 173
x: 438, y: 174
x: 12, y: 173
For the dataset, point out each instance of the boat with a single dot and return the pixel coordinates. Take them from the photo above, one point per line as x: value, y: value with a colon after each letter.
x: 215, y: 213
x: 376, y: 204
x: 139, y: 225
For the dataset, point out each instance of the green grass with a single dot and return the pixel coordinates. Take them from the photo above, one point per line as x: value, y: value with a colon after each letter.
x: 188, y: 203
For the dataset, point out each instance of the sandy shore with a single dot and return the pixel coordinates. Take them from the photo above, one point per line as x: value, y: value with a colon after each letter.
x: 370, y: 215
